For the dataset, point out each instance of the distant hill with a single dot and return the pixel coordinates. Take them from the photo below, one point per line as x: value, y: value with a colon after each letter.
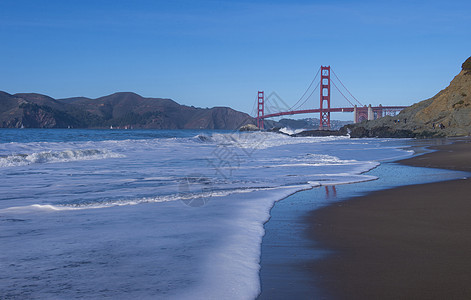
x: 448, y: 113
x: 120, y: 110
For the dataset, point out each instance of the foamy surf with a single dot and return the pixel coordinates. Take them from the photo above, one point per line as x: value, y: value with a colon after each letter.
x: 177, y: 217
x: 265, y: 140
x: 189, y: 198
x: 291, y: 131
x: 185, y: 198
x: 56, y: 157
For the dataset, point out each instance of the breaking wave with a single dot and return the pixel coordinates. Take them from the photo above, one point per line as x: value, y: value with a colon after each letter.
x: 56, y: 156
x: 264, y: 140
x: 203, y: 138
x: 291, y: 131
x: 185, y: 198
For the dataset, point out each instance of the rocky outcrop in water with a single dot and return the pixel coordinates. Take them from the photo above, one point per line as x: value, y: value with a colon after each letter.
x: 446, y: 114
x: 318, y: 133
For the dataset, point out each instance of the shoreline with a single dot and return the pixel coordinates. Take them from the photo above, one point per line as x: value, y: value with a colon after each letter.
x: 408, y: 242
x: 289, y: 255
x: 454, y: 156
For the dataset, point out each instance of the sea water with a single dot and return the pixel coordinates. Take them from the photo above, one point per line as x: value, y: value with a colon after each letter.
x: 155, y: 213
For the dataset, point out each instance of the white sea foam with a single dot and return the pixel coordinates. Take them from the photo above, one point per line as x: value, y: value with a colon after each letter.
x: 264, y: 140
x: 185, y: 198
x: 173, y: 218
x: 56, y: 156
x: 291, y: 131
x: 232, y: 268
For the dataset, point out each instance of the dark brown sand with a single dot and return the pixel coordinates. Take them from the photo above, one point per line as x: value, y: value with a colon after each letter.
x: 411, y: 242
x: 455, y: 156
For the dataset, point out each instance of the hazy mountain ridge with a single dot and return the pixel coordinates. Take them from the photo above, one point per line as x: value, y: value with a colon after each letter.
x: 122, y: 110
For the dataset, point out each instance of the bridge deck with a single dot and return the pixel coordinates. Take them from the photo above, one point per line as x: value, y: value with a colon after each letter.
x: 318, y: 110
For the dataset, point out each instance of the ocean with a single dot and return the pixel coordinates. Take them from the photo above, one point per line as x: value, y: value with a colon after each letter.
x: 173, y: 214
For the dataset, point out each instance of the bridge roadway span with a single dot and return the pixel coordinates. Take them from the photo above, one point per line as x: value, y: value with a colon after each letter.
x: 318, y: 110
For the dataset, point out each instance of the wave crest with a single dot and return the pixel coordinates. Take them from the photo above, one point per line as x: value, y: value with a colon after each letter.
x: 264, y: 140
x: 56, y: 156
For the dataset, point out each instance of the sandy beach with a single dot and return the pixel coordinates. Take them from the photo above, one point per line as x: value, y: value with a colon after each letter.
x: 410, y: 242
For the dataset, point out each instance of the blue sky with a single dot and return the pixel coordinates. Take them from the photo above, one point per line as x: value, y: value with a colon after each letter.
x: 220, y: 53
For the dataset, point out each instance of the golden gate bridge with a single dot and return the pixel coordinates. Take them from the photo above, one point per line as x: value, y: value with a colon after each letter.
x: 360, y: 112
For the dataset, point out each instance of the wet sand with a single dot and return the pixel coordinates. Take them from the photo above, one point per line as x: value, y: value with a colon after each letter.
x: 410, y: 242
x: 456, y: 156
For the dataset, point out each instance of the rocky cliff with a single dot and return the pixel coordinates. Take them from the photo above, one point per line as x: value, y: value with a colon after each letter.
x: 119, y: 110
x: 446, y: 114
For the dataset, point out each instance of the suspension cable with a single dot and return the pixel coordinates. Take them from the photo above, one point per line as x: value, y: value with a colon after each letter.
x: 255, y: 103
x: 342, y: 94
x: 291, y: 108
x: 307, y: 97
x: 267, y: 106
x: 346, y: 88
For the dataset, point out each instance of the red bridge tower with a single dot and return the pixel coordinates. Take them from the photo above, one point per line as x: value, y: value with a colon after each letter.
x: 260, y: 109
x: 325, y: 98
